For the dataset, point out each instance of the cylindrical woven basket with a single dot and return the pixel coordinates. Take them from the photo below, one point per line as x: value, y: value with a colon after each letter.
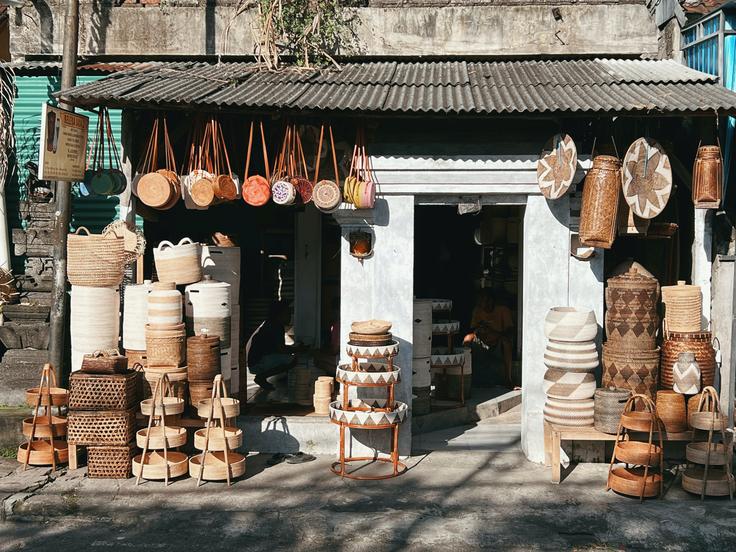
x: 203, y: 357
x: 671, y: 410
x: 609, y: 404
x: 95, y: 260
x: 180, y: 263
x: 164, y: 306
x: 570, y: 324
x: 103, y: 392
x: 569, y: 413
x: 166, y: 346
x: 683, y: 308
x: 600, y: 202
x: 110, y: 427
x: 708, y: 178
x: 634, y: 370
x: 199, y: 391
x: 698, y: 343
x: 135, y: 315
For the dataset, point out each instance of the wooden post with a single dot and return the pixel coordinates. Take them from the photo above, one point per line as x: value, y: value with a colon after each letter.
x: 59, y: 299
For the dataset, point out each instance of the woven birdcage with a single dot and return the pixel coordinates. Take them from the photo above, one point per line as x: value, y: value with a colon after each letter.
x: 91, y: 427
x: 103, y: 392
x: 110, y: 462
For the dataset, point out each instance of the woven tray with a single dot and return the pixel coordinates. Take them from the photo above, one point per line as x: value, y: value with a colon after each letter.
x: 104, y: 392
x: 110, y: 462
x: 111, y: 427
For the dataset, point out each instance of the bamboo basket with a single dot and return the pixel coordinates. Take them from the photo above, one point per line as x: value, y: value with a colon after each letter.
x: 108, y: 462
x: 708, y: 178
x: 599, y: 207
x: 103, y: 392
x: 718, y: 484
x: 42, y: 453
x: 215, y: 468
x: 230, y: 405
x: 698, y: 343
x: 697, y: 453
x: 637, y: 420
x: 57, y: 396
x: 203, y: 357
x: 46, y: 427
x: 628, y: 481
x: 672, y: 411
x: 216, y: 442
x: 175, y: 437
x: 95, y: 260
x: 171, y: 407
x: 166, y: 346
x: 110, y: 428
x: 638, y: 453
x: 683, y: 308
x: 156, y: 467
x: 199, y: 391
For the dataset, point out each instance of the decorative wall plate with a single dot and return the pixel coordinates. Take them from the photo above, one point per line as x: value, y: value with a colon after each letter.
x: 647, y: 178
x: 368, y: 418
x: 443, y: 327
x: 370, y: 373
x: 556, y: 166
x: 441, y: 357
x: 379, y: 351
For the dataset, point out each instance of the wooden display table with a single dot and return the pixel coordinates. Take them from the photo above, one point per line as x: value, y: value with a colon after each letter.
x: 554, y: 435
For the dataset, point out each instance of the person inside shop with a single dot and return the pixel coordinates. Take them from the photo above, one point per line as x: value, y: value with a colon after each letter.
x: 493, y: 327
x: 266, y: 352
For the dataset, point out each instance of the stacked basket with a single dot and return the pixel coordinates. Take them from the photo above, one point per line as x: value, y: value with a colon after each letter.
x: 95, y: 265
x: 135, y: 318
x: 324, y: 389
x: 631, y: 355
x: 203, y: 365
x: 451, y: 376
x: 571, y: 358
x: 102, y: 415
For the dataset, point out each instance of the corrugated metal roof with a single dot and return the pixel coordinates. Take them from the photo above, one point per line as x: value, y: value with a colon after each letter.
x: 450, y: 87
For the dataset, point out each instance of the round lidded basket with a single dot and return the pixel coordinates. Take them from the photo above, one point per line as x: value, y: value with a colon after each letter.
x: 203, y: 357
x: 166, y: 346
x: 683, y: 308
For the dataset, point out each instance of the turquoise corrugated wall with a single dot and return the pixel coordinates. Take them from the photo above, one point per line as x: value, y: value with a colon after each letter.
x: 94, y: 212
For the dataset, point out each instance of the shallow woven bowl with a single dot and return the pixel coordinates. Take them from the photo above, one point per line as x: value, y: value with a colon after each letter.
x: 44, y: 429
x: 637, y: 453
x: 42, y: 453
x: 234, y: 437
x: 231, y: 407
x: 628, y: 481
x: 59, y: 396
x: 171, y: 407
x: 697, y: 452
x: 155, y: 466
x: 215, y: 468
x: 637, y: 420
x: 175, y: 437
x: 717, y: 484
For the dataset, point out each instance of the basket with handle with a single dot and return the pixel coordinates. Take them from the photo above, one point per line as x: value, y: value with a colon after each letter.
x: 158, y: 188
x: 256, y: 188
x: 178, y: 263
x: 326, y: 194
x: 94, y: 260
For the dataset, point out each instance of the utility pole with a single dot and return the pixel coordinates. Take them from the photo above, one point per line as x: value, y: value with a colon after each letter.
x: 59, y: 298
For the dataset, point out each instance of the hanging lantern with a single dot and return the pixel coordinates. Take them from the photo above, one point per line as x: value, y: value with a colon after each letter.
x: 600, y: 202
x: 708, y: 178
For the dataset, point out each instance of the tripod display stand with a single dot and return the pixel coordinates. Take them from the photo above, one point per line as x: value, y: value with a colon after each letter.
x: 43, y: 432
x: 159, y: 436
x: 218, y: 459
x: 641, y: 458
x: 378, y: 371
x: 709, y: 462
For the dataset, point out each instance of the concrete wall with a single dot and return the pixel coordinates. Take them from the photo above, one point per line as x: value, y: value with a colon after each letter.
x: 203, y: 28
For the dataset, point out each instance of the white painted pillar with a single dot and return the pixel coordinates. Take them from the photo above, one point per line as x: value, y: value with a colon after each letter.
x: 307, y: 276
x: 723, y: 325
x: 702, y: 253
x: 545, y: 281
x: 381, y: 287
x: 127, y: 199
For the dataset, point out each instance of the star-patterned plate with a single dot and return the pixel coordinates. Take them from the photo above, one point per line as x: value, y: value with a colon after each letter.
x: 556, y: 166
x: 647, y: 178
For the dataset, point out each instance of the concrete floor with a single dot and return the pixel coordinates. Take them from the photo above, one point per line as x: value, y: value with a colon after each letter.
x: 476, y: 492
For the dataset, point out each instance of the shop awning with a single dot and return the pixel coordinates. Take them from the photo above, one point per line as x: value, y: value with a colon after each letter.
x: 591, y: 86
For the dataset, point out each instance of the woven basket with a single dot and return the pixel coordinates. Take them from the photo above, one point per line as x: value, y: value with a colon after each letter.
x: 599, y: 207
x: 569, y: 413
x: 111, y: 427
x: 136, y: 357
x: 708, y: 178
x: 672, y: 411
x: 698, y: 343
x: 178, y: 263
x: 629, y: 331
x: 630, y: 369
x: 109, y: 462
x: 203, y: 358
x: 629, y: 481
x: 166, y: 346
x: 105, y: 362
x: 609, y: 404
x: 683, y: 308
x: 199, y: 391
x: 104, y: 392
x: 94, y: 260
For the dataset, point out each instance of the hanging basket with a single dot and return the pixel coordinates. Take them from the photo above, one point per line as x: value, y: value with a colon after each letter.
x: 556, y: 166
x: 708, y: 178
x: 600, y: 202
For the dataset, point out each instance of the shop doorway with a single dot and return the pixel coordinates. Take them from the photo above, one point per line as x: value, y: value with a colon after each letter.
x: 474, y: 260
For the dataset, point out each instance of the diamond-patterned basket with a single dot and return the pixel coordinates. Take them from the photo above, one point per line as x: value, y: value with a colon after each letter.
x: 634, y: 370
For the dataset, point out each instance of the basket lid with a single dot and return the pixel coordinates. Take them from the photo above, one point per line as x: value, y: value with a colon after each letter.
x: 633, y: 279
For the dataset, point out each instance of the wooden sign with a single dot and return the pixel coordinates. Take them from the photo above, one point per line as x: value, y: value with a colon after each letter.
x: 63, y: 145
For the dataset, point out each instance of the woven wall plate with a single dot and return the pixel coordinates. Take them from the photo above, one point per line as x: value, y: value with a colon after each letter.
x: 647, y: 178
x: 556, y: 166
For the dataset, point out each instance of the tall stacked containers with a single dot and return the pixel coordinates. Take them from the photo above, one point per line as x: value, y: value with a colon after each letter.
x: 571, y: 358
x: 95, y: 268
x: 421, y: 350
x: 630, y: 354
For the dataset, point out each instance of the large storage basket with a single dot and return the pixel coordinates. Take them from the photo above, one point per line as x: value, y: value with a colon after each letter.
x: 599, y: 207
x: 109, y: 427
x: 94, y: 260
x: 104, y: 392
x: 698, y: 343
x: 634, y: 370
x: 108, y: 462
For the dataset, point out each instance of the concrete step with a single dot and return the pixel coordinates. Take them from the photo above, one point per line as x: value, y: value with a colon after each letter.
x: 484, y: 404
x: 11, y: 427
